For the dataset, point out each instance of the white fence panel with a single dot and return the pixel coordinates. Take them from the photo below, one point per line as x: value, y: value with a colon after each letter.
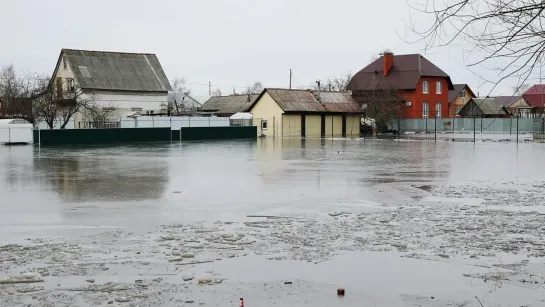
x: 16, y: 134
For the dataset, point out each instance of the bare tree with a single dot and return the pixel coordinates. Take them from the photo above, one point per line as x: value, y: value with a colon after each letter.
x: 177, y: 99
x: 381, y: 103
x: 504, y: 35
x: 334, y: 84
x: 60, y: 101
x: 521, y: 89
x: 256, y: 88
x: 16, y: 94
x: 216, y: 92
x: 98, y: 116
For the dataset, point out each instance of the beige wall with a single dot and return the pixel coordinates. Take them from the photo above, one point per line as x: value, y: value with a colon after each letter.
x: 353, y: 126
x: 267, y: 109
x: 334, y: 125
x: 313, y: 126
x: 64, y: 73
x: 291, y: 125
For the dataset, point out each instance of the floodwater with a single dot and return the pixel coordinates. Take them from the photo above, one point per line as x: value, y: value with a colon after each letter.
x: 394, y: 222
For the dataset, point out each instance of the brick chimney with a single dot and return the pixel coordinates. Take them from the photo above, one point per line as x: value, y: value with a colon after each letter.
x: 388, y: 58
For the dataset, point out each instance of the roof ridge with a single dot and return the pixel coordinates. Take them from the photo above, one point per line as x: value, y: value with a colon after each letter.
x: 104, y: 51
x: 287, y: 89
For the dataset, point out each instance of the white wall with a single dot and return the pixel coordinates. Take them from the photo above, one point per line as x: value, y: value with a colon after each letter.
x: 126, y: 101
x: 175, y: 122
x: 16, y: 134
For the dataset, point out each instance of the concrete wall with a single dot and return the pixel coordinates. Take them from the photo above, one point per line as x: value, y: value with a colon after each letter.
x: 291, y: 125
x: 267, y: 109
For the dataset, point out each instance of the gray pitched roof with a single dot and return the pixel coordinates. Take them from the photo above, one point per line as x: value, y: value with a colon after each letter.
x: 483, y: 106
x: 228, y: 104
x: 102, y: 70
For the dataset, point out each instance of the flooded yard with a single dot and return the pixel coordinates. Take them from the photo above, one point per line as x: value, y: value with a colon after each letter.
x: 277, y: 222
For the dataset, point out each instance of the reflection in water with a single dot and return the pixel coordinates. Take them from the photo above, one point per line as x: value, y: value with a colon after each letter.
x: 80, y: 179
x: 369, y: 162
x: 77, y: 176
x: 218, y: 178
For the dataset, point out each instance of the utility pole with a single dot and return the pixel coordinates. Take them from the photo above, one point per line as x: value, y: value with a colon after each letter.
x: 319, y: 89
x: 209, y: 88
x: 290, y: 78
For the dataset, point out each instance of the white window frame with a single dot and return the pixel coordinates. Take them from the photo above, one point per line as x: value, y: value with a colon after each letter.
x: 438, y: 109
x: 264, y: 124
x: 438, y: 87
x: 425, y: 109
x: 425, y: 87
x: 463, y: 94
x: 457, y: 110
x: 70, y: 85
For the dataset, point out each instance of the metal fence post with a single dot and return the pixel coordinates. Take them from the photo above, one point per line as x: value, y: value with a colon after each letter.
x: 517, y: 129
x: 435, y: 128
x: 473, y: 129
x: 9, y: 134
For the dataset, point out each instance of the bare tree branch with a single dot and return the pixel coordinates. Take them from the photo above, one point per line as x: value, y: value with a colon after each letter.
x: 506, y: 36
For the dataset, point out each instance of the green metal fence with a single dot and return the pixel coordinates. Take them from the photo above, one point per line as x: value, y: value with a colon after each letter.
x: 133, y: 135
x: 215, y: 133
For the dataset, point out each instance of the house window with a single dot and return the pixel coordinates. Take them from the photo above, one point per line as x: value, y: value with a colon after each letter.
x: 458, y: 109
x: 438, y: 110
x: 263, y: 125
x: 438, y: 87
x: 463, y: 94
x: 425, y: 87
x: 425, y: 109
x: 70, y: 85
x: 150, y: 112
x: 65, y: 64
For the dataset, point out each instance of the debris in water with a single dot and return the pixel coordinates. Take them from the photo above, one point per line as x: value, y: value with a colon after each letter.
x: 25, y: 279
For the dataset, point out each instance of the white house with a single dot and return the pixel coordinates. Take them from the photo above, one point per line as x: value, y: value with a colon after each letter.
x: 127, y: 82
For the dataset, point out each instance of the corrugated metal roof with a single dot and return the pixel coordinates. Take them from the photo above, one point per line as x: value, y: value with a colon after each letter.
x: 404, y: 74
x: 291, y: 100
x: 228, y: 104
x: 488, y: 106
x: 102, y: 70
x: 535, y: 95
x: 505, y: 101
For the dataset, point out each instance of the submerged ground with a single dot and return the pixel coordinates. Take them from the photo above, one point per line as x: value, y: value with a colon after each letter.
x: 280, y: 223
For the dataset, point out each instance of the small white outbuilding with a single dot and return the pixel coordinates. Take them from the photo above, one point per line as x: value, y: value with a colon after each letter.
x: 16, y: 131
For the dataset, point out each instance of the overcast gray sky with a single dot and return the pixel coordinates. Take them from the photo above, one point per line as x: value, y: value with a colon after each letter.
x: 228, y: 42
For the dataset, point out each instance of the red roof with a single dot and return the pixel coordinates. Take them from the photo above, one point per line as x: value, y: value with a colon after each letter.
x: 535, y: 95
x: 404, y: 74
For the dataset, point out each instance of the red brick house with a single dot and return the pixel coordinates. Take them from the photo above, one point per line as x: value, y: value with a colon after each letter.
x: 422, y: 86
